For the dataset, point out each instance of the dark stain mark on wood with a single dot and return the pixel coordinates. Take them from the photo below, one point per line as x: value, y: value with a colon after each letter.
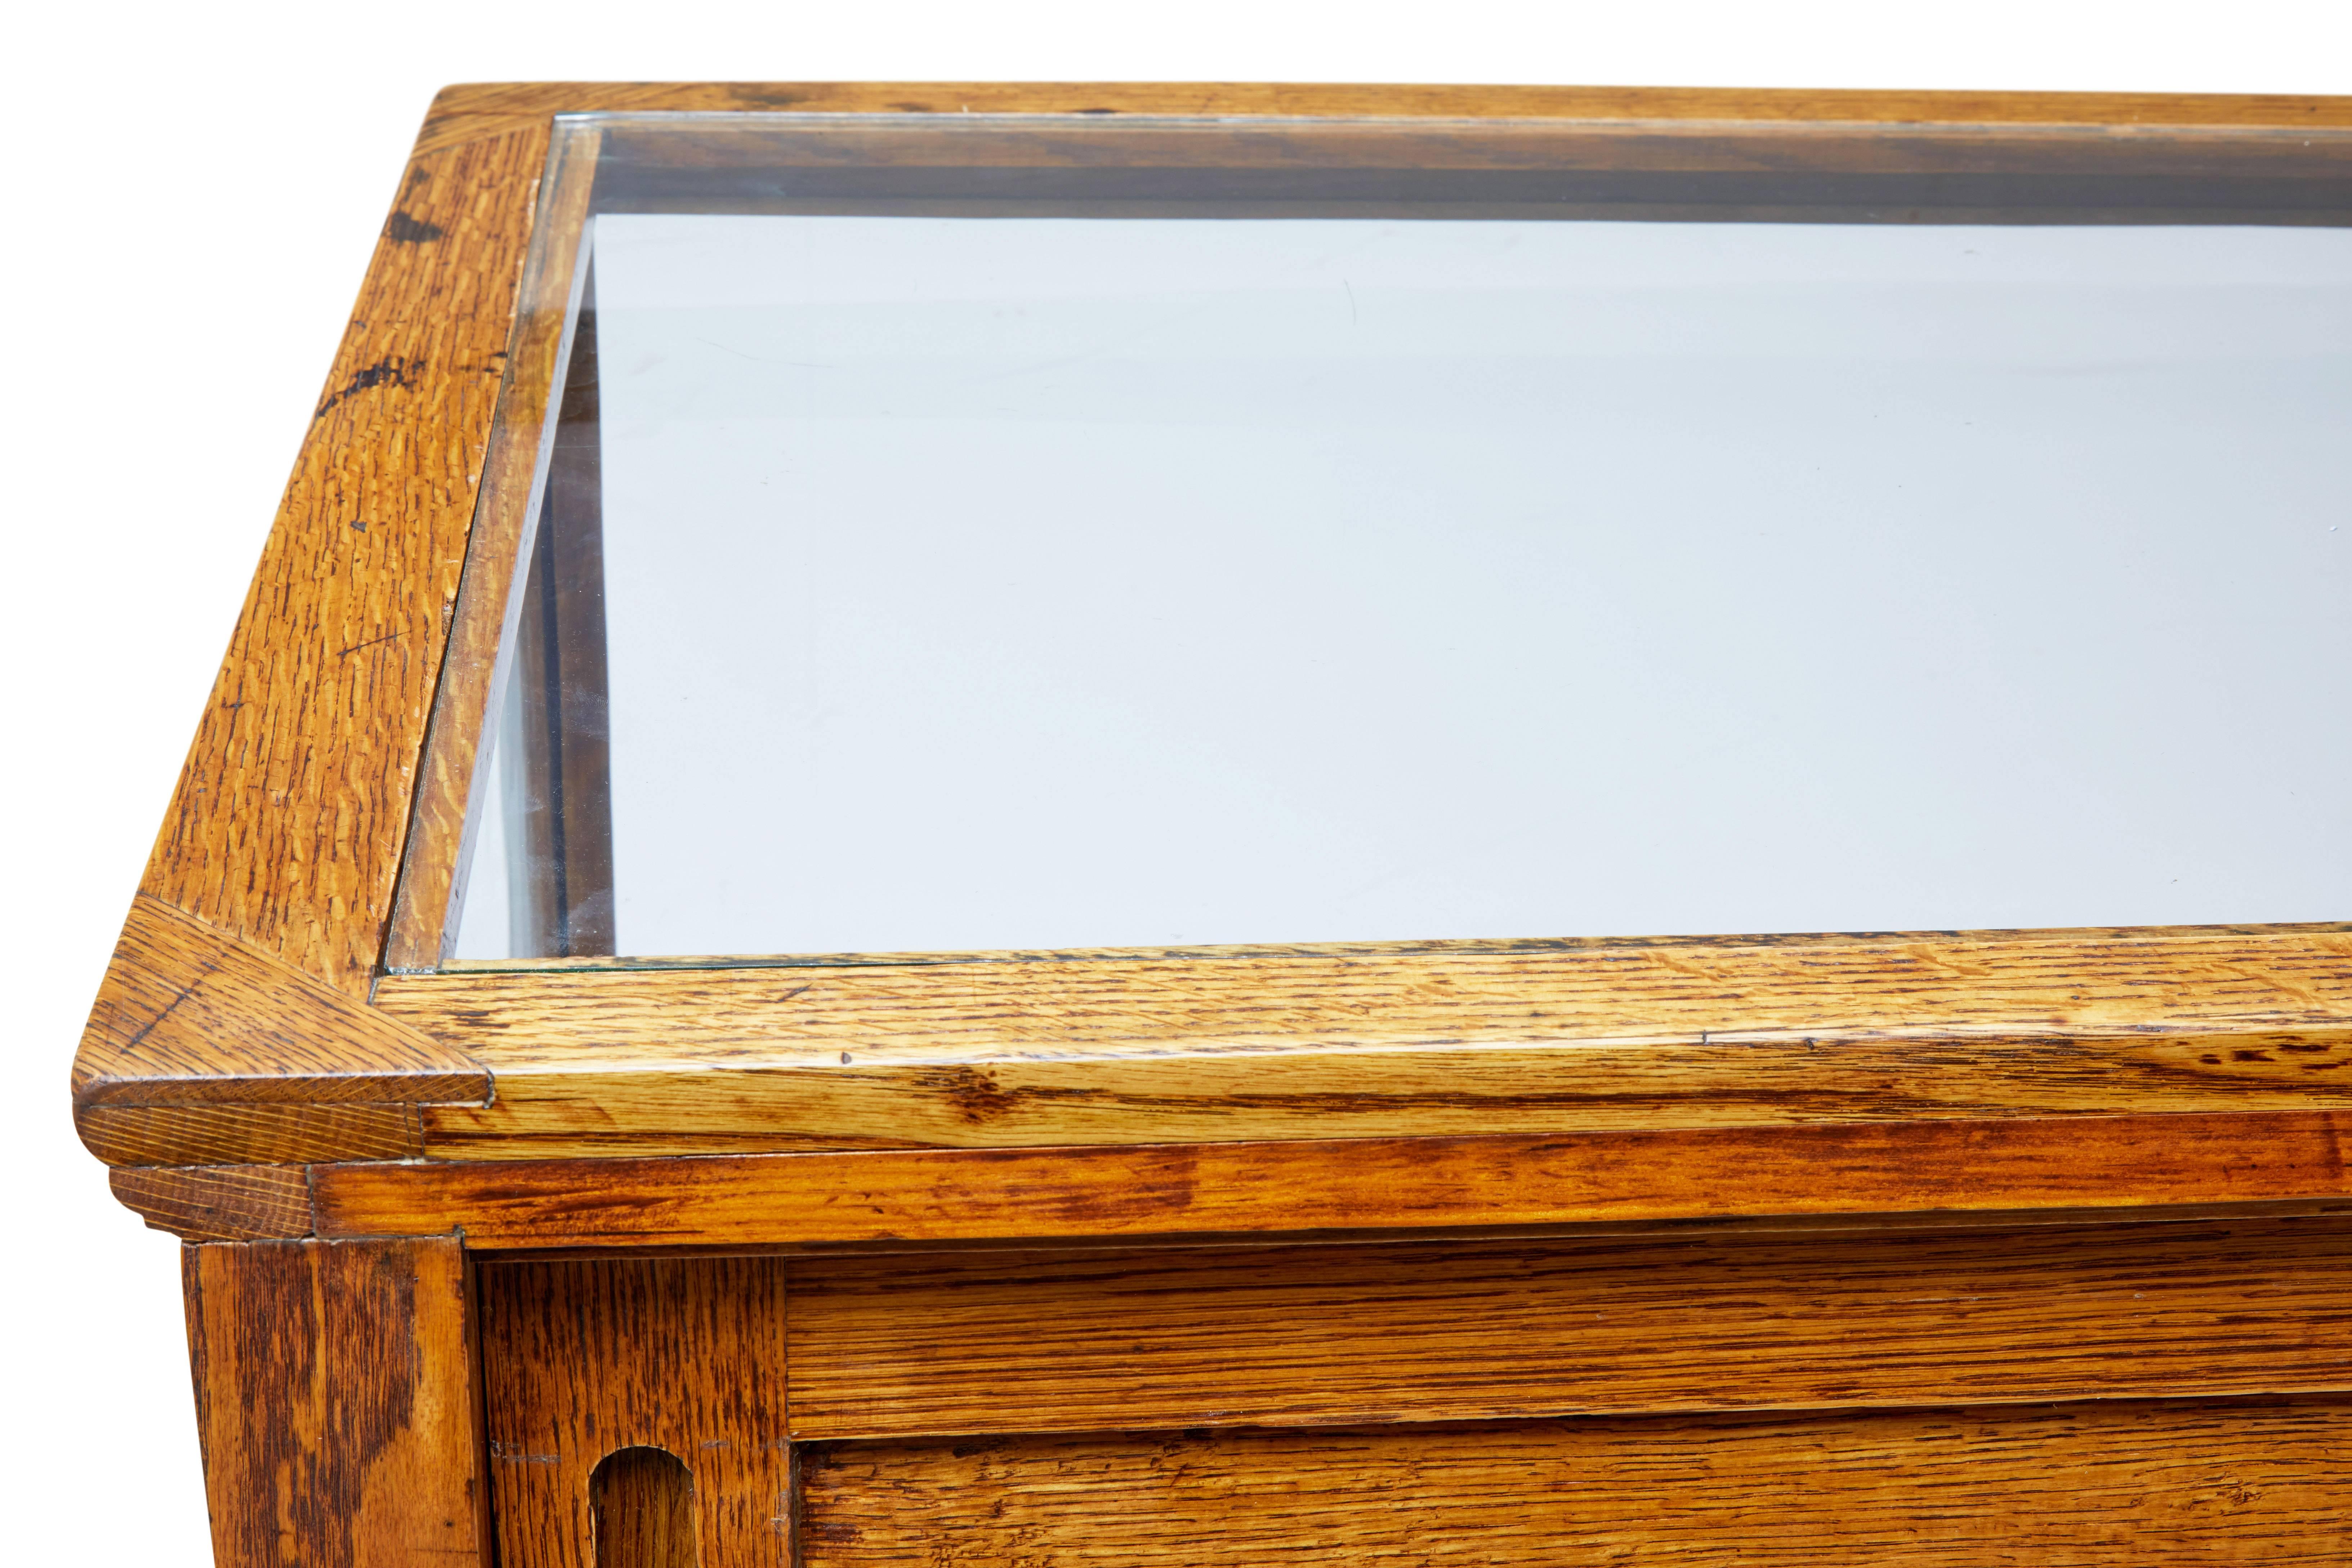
x: 403, y: 229
x: 389, y: 371
x: 976, y: 1095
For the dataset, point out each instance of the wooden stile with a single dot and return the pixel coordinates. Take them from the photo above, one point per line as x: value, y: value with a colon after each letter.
x: 584, y: 1360
x: 337, y: 1398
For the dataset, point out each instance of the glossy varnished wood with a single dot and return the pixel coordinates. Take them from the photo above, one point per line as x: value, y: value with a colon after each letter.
x: 1443, y: 1040
x: 2115, y: 1485
x: 687, y: 1356
x: 1164, y: 1190
x: 337, y: 1401
x: 641, y: 1511
x: 1059, y: 1342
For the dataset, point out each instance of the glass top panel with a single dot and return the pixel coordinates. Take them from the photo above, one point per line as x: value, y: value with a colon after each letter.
x: 1047, y: 577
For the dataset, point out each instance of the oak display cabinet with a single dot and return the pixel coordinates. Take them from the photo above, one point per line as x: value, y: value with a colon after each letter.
x: 907, y: 851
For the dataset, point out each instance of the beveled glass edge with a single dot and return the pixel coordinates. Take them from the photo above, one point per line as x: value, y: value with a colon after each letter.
x: 1432, y: 947
x: 933, y: 120
x: 465, y: 709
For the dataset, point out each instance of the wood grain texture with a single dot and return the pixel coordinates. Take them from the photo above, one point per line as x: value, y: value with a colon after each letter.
x: 226, y: 1203
x: 286, y: 826
x: 889, y: 1347
x: 1449, y: 1038
x: 641, y: 1509
x: 204, y: 1049
x: 581, y: 1360
x: 258, y: 1134
x: 463, y: 112
x: 187, y: 1014
x: 1175, y: 1190
x: 338, y: 1404
x: 2119, y: 1484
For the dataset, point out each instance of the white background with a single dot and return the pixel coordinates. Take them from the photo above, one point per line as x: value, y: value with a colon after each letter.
x: 191, y: 193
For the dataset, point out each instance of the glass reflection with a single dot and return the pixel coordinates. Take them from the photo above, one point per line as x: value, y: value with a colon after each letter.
x: 941, y: 583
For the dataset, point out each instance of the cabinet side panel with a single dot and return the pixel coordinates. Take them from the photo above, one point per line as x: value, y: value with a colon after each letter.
x: 2116, y: 1484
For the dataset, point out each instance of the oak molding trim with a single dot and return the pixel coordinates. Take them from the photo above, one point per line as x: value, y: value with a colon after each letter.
x: 467, y: 111
x: 221, y: 1202
x: 206, y: 1051
x: 2065, y: 1170
x: 601, y: 1060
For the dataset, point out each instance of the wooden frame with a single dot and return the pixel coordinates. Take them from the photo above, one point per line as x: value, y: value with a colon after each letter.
x: 279, y: 1058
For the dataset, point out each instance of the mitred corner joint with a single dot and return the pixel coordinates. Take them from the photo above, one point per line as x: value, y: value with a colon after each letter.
x: 205, y: 1050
